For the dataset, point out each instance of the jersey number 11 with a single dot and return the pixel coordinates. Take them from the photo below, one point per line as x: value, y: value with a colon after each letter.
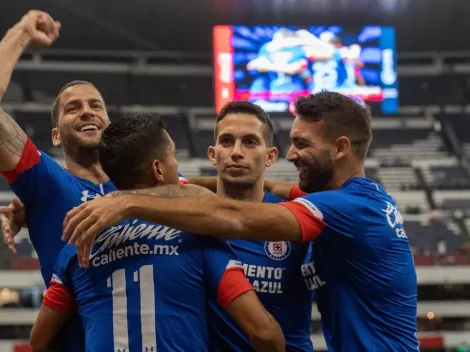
x: 147, y: 309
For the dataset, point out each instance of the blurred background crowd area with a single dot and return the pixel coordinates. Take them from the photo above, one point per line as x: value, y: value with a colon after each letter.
x: 148, y: 56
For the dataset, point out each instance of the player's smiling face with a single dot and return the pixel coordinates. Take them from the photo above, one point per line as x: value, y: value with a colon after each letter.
x: 241, y: 154
x: 312, y: 155
x: 82, y: 117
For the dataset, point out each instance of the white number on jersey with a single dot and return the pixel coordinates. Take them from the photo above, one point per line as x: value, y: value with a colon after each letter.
x: 147, y: 311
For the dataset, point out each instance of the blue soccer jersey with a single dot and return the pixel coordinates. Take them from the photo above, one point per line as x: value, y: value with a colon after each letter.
x: 367, y: 293
x: 49, y: 192
x: 145, y: 289
x: 277, y: 272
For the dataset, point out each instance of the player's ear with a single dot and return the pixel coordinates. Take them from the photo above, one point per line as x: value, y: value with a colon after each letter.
x: 342, y: 147
x: 56, y: 140
x: 157, y: 171
x: 271, y: 157
x: 211, y: 154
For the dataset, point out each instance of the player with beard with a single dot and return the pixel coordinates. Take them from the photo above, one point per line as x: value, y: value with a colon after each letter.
x: 368, y: 296
x: 242, y: 151
x: 47, y: 190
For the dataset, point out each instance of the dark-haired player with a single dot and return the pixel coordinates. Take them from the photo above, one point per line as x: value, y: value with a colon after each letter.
x: 243, y: 149
x: 146, y: 287
x: 368, y: 301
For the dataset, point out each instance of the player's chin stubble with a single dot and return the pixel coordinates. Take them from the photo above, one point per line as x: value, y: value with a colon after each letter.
x: 320, y: 173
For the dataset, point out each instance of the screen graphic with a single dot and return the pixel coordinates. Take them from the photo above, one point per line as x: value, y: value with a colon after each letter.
x: 272, y: 65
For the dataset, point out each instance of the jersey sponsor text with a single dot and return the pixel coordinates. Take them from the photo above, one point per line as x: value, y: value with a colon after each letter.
x: 312, y: 280
x: 257, y: 276
x: 131, y: 250
x: 116, y: 235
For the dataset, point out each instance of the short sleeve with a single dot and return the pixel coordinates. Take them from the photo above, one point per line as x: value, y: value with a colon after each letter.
x: 223, y: 271
x: 62, y: 270
x: 33, y: 177
x: 312, y: 212
x: 59, y: 296
x: 29, y: 158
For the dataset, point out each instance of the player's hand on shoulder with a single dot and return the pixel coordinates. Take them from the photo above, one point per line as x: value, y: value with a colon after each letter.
x: 13, y: 219
x: 40, y: 27
x: 83, y: 223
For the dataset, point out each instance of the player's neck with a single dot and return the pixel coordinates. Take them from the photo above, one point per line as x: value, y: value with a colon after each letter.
x: 341, y: 177
x: 86, y: 167
x: 233, y: 191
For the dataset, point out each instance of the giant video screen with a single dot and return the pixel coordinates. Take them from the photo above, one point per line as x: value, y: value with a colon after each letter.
x: 272, y: 65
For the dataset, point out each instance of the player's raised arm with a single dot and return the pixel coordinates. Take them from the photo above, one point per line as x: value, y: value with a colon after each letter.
x: 35, y: 28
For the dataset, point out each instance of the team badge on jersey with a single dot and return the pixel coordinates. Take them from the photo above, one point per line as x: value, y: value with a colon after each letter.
x: 277, y: 250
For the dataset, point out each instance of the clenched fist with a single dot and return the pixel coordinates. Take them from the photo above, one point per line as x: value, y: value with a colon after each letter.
x: 40, y: 28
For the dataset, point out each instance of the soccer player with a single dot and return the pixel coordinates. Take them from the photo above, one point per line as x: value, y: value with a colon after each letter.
x: 145, y: 289
x: 47, y: 190
x: 78, y: 117
x: 243, y: 149
x: 368, y: 292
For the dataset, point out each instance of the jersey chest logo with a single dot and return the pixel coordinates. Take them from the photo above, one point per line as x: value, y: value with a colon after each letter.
x: 277, y: 250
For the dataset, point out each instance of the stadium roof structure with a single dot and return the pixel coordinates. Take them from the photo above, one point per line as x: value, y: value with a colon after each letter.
x: 185, y: 25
